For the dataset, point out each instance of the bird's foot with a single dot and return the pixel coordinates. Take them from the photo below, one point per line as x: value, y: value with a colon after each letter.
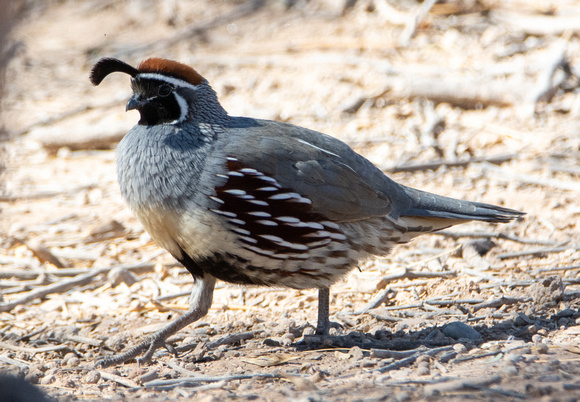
x: 323, y: 329
x: 147, y: 348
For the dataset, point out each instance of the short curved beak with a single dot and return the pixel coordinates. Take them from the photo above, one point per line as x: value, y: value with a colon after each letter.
x: 136, y: 102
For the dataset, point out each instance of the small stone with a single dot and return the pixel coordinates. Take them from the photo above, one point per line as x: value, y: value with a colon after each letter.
x: 542, y: 348
x: 537, y: 338
x: 562, y: 322
x: 34, y: 376
x: 37, y: 367
x: 92, y: 377
x: 508, y: 371
x: 513, y: 357
x: 423, y: 369
x: 423, y: 359
x: 73, y: 362
x: 356, y: 353
x: 567, y: 312
x: 317, y: 377
x: 308, y: 331
x: 459, y: 348
x: 117, y: 342
x: 458, y: 330
x: 549, y: 378
x: 48, y: 379
x: 543, y: 332
x: 271, y: 342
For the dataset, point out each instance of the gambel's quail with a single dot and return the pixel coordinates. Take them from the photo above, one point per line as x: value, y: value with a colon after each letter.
x: 257, y: 202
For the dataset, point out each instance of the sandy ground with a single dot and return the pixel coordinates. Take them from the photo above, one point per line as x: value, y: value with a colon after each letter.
x: 435, y: 319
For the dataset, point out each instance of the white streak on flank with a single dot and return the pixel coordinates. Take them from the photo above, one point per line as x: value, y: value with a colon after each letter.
x: 284, y: 243
x: 231, y: 158
x: 237, y: 221
x: 329, y: 224
x: 259, y: 202
x: 241, y: 231
x: 218, y: 200
x: 235, y: 192
x: 318, y: 243
x: 249, y: 239
x: 259, y: 250
x: 337, y: 236
x: 250, y: 171
x: 236, y: 174
x: 268, y: 179
x: 170, y: 80
x: 287, y: 219
x: 245, y: 197
x: 301, y: 200
x: 318, y: 148
x: 224, y: 213
x: 267, y: 189
x: 284, y: 196
x: 222, y: 175
x: 266, y: 222
x: 260, y: 214
x: 311, y: 225
x: 319, y: 233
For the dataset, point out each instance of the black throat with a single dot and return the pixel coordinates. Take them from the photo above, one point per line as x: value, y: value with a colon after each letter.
x: 160, y: 110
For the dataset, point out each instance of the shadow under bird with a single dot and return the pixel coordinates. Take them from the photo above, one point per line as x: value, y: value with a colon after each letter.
x: 257, y: 202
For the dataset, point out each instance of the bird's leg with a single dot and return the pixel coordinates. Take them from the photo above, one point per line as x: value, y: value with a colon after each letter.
x: 323, y: 325
x: 199, y: 304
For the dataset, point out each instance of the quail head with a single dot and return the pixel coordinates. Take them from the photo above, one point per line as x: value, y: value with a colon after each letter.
x: 257, y: 202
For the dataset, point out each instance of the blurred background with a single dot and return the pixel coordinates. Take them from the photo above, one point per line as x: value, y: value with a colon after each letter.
x: 474, y: 99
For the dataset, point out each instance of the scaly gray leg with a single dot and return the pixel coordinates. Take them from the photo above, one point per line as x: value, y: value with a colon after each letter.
x: 199, y: 304
x: 323, y: 325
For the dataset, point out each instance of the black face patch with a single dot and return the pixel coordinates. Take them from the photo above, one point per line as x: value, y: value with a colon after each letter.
x: 158, y: 103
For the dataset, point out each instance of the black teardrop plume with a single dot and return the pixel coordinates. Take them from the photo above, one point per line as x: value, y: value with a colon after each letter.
x: 109, y: 65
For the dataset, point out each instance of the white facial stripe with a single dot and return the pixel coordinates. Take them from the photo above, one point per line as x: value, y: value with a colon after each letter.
x: 170, y: 80
x: 182, y: 106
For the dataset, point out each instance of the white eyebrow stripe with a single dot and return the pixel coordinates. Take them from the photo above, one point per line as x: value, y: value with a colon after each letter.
x: 315, y: 147
x: 169, y: 80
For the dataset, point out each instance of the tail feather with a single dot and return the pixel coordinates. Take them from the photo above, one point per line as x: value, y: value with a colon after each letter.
x: 434, y: 206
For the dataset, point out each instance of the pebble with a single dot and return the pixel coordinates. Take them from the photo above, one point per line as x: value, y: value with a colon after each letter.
x: 542, y: 348
x: 458, y: 330
x: 423, y: 368
x: 460, y: 348
x: 508, y: 371
x: 308, y: 331
x: 356, y: 353
x: 92, y: 377
x: 73, y: 362
x: 34, y: 376
x: 48, y: 379
x: 537, y: 338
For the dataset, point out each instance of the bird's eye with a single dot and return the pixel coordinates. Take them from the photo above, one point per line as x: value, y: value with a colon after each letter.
x: 165, y: 90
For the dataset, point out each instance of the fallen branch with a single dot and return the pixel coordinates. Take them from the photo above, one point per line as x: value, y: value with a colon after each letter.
x: 535, y: 253
x: 502, y: 301
x: 44, y: 194
x: 529, y: 179
x: 538, y: 25
x: 33, y: 351
x: 497, y: 159
x: 194, y: 381
x: 241, y: 11
x: 414, y: 20
x: 411, y: 359
x: 496, y: 235
x: 65, y: 285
